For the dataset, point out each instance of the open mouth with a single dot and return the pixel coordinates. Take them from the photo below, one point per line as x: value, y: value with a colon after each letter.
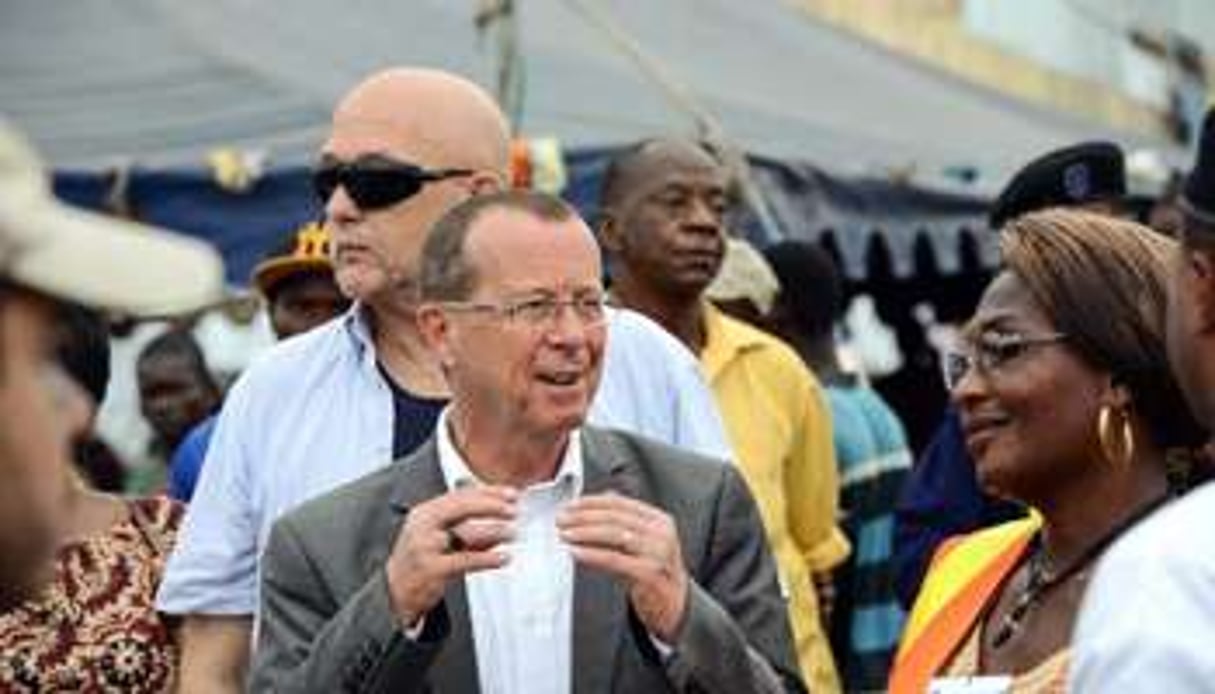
x: 561, y: 379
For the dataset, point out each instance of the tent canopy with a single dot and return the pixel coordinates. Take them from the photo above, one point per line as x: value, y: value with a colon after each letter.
x: 826, y: 116
x: 163, y: 81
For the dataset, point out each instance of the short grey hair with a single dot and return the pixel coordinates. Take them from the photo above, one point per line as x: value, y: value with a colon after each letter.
x: 446, y: 274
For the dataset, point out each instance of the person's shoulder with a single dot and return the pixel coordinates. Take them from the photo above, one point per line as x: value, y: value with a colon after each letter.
x: 663, y: 465
x: 346, y: 513
x: 844, y: 400
x: 773, y: 351
x: 638, y: 333
x: 316, y: 351
x: 158, y: 519
x: 160, y: 511
x: 1159, y: 543
x: 199, y: 435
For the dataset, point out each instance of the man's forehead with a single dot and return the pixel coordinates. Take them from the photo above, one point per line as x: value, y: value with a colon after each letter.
x: 508, y: 227
x: 356, y: 136
x: 508, y: 240
x: 665, y: 164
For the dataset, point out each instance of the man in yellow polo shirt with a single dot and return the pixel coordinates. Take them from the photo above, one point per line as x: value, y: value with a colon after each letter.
x: 662, y: 205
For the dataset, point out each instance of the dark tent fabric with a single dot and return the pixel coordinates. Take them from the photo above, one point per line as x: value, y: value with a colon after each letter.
x: 806, y: 202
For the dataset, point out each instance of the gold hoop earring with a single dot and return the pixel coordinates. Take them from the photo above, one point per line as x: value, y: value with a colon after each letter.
x: 1128, y: 440
x: 1118, y: 449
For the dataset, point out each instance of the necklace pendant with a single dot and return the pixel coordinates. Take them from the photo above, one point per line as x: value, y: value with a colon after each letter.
x: 1008, y: 628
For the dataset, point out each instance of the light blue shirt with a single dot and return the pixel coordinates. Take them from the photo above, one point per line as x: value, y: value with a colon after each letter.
x: 313, y: 413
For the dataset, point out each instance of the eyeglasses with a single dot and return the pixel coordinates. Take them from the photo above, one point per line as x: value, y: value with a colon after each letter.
x: 540, y: 311
x: 990, y: 352
x: 376, y: 183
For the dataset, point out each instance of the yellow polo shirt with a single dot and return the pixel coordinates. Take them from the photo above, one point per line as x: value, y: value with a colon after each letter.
x: 779, y: 425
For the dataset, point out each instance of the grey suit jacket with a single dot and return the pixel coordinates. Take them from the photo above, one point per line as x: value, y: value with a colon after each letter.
x: 327, y: 624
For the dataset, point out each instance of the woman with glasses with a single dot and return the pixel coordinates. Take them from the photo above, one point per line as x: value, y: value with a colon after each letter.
x: 1067, y: 406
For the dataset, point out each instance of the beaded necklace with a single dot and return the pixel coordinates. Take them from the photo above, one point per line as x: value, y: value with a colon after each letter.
x: 1041, y: 581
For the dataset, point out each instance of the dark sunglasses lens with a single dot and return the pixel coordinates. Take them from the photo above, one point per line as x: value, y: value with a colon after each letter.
x: 372, y: 189
x: 324, y: 182
x: 369, y: 188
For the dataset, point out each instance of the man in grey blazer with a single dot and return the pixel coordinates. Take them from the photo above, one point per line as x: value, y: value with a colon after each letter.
x: 518, y: 550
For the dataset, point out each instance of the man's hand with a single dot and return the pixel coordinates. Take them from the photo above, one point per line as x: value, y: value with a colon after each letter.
x: 638, y: 544
x: 444, y: 538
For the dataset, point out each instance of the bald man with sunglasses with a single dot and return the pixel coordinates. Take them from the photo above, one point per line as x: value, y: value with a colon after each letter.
x: 341, y: 401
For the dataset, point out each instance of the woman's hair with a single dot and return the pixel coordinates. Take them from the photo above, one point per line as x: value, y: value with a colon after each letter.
x: 1102, y: 281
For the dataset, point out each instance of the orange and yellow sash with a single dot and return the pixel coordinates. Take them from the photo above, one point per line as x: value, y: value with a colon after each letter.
x: 964, y: 575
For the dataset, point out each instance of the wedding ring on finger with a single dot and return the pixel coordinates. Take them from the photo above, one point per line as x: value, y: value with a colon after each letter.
x: 626, y: 541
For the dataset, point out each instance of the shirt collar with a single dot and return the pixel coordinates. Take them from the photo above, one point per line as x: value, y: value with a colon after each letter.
x: 457, y: 474
x: 356, y: 323
x: 725, y: 338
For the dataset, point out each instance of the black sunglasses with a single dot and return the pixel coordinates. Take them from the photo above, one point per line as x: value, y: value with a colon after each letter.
x: 376, y: 184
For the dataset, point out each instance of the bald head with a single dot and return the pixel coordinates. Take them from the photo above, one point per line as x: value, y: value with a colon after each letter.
x: 640, y: 163
x: 440, y: 119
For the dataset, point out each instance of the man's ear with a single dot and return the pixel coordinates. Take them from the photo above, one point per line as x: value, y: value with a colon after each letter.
x: 435, y: 330
x: 486, y: 182
x: 610, y: 233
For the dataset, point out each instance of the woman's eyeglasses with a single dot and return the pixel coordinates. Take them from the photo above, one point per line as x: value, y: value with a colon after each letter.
x: 990, y: 352
x: 378, y: 183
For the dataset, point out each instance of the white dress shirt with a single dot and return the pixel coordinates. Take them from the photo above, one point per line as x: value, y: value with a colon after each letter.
x: 522, y: 613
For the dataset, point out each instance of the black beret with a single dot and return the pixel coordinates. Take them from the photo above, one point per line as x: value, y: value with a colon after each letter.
x: 1198, y: 195
x: 1083, y: 173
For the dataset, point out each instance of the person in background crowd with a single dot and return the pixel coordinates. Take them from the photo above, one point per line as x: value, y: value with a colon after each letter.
x: 296, y: 281
x: 94, y: 627
x: 595, y: 594
x: 873, y: 456
x: 662, y: 204
x: 1067, y: 406
x: 1148, y: 619
x: 942, y: 496
x: 176, y: 392
x: 345, y: 399
x: 49, y: 250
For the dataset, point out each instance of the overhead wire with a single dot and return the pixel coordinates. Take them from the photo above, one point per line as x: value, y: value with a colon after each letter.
x: 682, y: 98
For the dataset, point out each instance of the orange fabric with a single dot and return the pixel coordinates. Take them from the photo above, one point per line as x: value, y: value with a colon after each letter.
x: 963, y: 577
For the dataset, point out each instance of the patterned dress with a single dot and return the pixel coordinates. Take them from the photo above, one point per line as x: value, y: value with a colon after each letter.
x: 1047, y: 677
x: 95, y: 627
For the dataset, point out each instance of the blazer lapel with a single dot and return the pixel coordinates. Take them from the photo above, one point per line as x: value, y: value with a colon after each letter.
x: 455, y: 668
x: 600, y: 601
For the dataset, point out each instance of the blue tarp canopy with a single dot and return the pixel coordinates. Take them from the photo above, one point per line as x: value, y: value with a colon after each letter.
x: 807, y: 203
